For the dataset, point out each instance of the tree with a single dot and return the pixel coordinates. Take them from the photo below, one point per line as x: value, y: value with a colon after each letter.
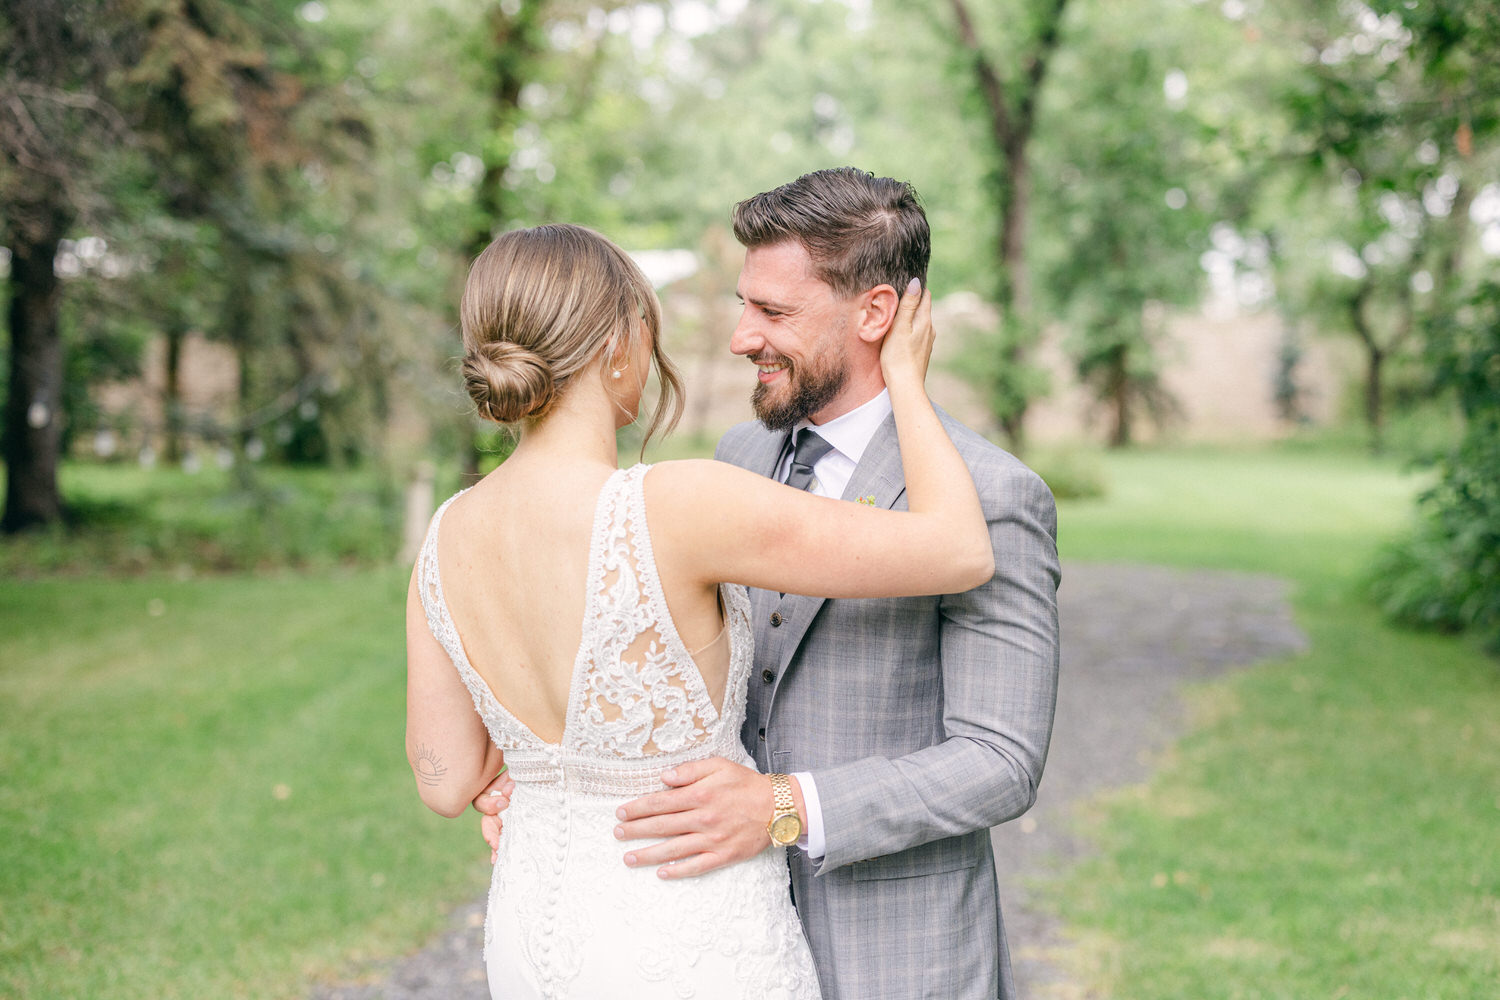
x: 54, y: 114
x: 1390, y: 110
x: 194, y: 111
x: 1128, y: 208
x: 1011, y: 98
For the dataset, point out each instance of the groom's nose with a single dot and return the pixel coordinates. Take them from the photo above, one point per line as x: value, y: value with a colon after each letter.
x: 746, y: 339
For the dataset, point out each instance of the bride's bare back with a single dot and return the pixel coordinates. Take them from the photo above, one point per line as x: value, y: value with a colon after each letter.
x: 514, y: 557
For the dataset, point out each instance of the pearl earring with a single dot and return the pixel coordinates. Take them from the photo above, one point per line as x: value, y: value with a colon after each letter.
x: 616, y: 373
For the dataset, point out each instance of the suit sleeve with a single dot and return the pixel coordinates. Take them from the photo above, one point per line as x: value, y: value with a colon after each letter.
x: 999, y: 653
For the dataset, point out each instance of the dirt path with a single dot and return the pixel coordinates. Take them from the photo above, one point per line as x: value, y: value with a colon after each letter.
x: 1132, y: 635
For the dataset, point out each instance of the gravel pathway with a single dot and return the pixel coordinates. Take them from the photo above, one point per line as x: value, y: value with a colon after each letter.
x: 1132, y: 635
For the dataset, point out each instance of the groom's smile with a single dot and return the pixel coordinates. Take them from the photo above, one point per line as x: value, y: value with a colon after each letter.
x: 769, y: 369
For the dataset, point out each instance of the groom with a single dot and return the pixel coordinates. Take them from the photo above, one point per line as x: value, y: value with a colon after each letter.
x: 908, y: 726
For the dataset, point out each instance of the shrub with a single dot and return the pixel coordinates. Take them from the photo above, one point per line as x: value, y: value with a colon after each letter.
x: 1070, y: 475
x: 1446, y: 574
x: 125, y: 519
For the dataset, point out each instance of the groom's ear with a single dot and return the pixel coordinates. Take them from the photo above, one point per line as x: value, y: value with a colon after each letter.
x: 876, y: 312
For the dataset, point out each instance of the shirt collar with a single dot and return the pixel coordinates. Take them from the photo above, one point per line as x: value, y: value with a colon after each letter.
x: 850, y: 433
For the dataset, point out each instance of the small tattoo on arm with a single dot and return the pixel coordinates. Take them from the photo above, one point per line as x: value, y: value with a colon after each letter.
x: 429, y: 766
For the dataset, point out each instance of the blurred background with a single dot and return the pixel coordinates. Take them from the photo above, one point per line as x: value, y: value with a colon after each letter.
x: 1223, y: 271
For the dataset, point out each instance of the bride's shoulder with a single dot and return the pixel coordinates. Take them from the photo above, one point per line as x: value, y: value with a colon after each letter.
x: 688, y: 494
x: 690, y: 475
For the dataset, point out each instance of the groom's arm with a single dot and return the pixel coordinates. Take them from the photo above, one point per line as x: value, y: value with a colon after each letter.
x: 999, y: 651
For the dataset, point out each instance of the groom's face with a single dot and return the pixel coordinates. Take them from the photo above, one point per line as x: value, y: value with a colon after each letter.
x: 796, y: 329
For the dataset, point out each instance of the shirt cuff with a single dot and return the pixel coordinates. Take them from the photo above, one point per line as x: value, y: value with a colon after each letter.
x: 812, y: 840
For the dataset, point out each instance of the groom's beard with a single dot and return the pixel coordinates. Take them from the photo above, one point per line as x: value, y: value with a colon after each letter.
x: 807, y: 390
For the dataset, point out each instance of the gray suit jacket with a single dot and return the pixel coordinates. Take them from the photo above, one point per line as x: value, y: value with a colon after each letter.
x: 924, y: 722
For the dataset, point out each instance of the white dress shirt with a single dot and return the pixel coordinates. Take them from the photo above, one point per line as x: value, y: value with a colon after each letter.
x: 850, y: 435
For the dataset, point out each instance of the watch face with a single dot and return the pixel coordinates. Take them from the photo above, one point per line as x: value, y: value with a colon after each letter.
x: 785, y: 830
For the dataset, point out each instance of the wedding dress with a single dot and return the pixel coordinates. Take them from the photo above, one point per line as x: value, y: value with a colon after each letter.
x: 566, y: 917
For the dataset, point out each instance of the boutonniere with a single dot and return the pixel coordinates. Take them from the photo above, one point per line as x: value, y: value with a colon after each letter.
x: 868, y: 499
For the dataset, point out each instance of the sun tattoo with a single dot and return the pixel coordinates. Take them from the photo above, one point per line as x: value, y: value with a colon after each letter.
x: 430, y: 767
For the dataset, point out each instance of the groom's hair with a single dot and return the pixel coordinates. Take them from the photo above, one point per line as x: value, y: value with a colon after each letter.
x: 860, y: 230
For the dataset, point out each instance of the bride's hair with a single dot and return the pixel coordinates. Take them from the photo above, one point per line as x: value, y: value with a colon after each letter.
x: 542, y: 305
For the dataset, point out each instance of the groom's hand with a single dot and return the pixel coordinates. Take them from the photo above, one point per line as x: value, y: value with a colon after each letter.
x: 713, y: 813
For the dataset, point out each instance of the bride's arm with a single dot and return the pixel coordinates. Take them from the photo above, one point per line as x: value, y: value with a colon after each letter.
x: 722, y: 523
x: 447, y: 746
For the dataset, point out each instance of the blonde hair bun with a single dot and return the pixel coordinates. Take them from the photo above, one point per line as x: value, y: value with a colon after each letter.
x: 507, y: 382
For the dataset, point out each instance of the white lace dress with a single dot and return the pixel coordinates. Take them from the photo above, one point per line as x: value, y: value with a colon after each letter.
x: 566, y: 917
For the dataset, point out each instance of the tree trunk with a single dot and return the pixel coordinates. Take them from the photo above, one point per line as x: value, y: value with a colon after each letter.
x: 515, y: 40
x: 1375, y: 356
x: 1013, y: 424
x: 171, y: 403
x: 468, y: 472
x: 238, y: 318
x: 1013, y: 217
x: 1120, y: 382
x: 1375, y: 398
x: 33, y: 412
x: 1015, y: 284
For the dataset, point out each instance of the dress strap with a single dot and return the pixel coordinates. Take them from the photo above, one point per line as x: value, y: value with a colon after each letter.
x: 636, y: 689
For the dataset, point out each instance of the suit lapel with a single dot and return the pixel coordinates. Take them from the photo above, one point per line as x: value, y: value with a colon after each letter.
x: 877, y: 481
x: 767, y: 453
x: 877, y: 478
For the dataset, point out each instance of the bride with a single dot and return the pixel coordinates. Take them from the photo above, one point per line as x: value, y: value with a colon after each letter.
x: 588, y: 627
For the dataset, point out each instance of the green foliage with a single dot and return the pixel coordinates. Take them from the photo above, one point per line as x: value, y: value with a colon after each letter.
x: 1446, y: 573
x: 1381, y: 125
x: 1127, y: 204
x: 997, y: 361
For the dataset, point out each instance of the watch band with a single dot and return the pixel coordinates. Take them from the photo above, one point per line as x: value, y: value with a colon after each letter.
x: 785, y: 825
x: 782, y: 801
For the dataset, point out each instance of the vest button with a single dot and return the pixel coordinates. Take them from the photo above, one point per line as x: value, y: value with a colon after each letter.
x: 767, y: 676
x: 776, y: 619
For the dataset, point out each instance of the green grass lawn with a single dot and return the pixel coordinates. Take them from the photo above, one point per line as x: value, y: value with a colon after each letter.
x: 205, y: 789
x: 1328, y: 828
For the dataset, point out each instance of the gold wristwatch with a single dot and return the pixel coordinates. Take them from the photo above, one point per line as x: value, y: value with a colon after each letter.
x: 785, y: 826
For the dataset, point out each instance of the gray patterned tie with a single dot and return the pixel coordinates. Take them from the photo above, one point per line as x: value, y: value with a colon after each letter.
x: 805, y: 454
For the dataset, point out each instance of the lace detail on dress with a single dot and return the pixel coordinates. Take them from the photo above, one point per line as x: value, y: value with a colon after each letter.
x: 638, y: 704
x: 641, y: 693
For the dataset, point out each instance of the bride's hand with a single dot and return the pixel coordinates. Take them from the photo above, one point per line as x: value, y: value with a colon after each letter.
x: 908, y: 343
